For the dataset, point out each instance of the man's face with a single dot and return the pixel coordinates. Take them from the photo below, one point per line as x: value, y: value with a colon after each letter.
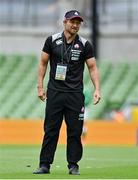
x: 72, y: 25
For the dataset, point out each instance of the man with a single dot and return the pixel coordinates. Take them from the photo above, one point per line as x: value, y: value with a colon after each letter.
x: 67, y: 53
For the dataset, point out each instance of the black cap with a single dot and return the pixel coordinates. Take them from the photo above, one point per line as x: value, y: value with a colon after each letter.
x: 73, y: 14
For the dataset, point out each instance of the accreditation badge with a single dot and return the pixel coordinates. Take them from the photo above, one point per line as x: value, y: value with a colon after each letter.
x: 61, y: 72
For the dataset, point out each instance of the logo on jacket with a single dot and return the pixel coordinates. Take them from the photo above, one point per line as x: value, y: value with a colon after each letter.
x: 83, y: 109
x: 58, y: 42
x: 76, y: 46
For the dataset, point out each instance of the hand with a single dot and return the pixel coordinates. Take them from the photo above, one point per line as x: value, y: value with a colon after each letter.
x: 96, y: 97
x: 41, y: 94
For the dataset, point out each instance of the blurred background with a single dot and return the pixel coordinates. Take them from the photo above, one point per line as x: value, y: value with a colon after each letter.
x: 112, y: 27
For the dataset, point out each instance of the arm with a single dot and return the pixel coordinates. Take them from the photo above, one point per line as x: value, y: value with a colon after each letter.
x: 41, y: 74
x: 94, y: 74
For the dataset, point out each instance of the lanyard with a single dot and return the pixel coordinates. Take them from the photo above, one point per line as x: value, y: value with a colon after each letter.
x: 65, y: 51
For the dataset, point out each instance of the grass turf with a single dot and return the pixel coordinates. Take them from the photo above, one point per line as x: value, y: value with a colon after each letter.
x: 18, y: 162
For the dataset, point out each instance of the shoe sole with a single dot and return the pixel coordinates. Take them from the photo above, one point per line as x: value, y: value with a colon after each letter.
x: 41, y: 173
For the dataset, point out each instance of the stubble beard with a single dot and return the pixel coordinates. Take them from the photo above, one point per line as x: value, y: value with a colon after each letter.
x: 73, y: 33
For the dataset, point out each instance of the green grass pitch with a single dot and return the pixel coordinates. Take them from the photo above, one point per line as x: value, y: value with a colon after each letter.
x: 98, y: 162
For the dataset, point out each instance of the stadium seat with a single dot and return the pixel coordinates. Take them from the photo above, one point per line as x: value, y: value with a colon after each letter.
x: 18, y: 92
x: 125, y: 87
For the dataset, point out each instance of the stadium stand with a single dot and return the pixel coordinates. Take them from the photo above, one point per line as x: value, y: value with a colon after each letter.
x: 18, y: 96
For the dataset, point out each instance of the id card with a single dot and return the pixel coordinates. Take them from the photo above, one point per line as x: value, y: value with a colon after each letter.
x: 61, y: 72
